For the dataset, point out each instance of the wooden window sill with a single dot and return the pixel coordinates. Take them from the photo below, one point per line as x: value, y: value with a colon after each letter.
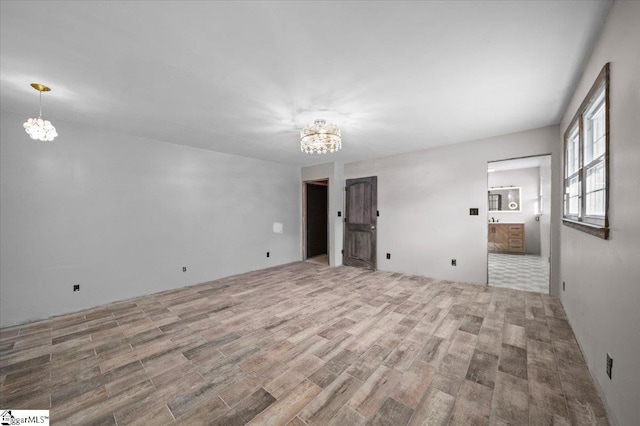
x: 595, y: 230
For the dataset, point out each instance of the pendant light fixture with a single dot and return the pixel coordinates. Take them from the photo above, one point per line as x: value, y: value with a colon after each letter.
x: 320, y: 137
x: 37, y: 128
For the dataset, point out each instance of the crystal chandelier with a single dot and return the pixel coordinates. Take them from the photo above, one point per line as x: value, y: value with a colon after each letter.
x: 320, y: 138
x: 37, y: 128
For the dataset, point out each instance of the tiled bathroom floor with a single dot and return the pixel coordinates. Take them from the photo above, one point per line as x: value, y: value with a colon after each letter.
x: 520, y: 272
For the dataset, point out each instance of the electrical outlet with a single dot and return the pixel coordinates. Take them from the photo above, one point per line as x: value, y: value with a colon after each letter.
x: 388, y: 255
x: 563, y: 286
x: 473, y: 212
x: 339, y: 214
x: 609, y: 365
x: 76, y: 287
x: 184, y: 269
x: 454, y: 262
x: 267, y: 254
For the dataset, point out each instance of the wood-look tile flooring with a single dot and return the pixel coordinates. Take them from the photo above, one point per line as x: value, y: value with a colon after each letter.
x: 306, y: 344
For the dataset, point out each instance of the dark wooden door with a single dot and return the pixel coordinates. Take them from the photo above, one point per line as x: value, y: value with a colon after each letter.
x: 316, y: 220
x: 360, y: 222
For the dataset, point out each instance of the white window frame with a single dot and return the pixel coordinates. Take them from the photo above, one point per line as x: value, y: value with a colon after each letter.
x: 576, y: 171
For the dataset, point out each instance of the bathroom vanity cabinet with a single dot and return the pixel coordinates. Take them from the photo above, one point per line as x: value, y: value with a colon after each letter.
x: 506, y: 238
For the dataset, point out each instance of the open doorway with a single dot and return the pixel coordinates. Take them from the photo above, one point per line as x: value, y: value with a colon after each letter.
x: 519, y: 225
x: 316, y: 229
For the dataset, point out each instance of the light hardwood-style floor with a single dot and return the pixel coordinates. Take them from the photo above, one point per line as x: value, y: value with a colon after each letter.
x: 306, y: 344
x: 322, y: 259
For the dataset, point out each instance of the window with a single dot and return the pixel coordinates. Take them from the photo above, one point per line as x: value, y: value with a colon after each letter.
x: 586, y: 162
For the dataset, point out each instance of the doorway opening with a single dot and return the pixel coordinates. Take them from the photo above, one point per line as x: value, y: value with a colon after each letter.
x: 519, y: 223
x: 316, y: 221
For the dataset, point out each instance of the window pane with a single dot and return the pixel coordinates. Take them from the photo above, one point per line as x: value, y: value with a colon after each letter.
x: 598, y: 132
x: 573, y: 187
x: 573, y: 205
x: 595, y: 189
x: 595, y: 203
x: 595, y: 177
x: 573, y: 152
x: 594, y: 125
x: 574, y: 199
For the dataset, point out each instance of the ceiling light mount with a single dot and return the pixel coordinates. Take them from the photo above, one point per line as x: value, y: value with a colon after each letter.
x: 40, y: 87
x: 321, y: 137
x: 37, y: 128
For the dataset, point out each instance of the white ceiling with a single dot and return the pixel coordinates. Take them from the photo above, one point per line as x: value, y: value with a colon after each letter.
x: 243, y: 77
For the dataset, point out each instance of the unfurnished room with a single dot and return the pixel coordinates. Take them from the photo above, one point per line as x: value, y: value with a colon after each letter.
x: 320, y: 212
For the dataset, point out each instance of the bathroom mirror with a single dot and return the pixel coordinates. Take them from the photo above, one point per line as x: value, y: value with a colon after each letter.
x: 504, y: 199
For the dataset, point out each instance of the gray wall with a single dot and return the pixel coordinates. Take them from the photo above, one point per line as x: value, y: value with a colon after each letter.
x: 121, y: 215
x: 602, y: 299
x: 424, y: 199
x: 529, y: 182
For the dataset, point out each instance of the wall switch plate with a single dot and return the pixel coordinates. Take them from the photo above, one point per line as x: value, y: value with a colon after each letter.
x: 609, y: 365
x: 76, y: 287
x: 454, y: 262
x: 388, y: 255
x: 267, y: 254
x: 473, y: 212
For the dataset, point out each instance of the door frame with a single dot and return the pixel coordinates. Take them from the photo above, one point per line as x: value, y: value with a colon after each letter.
x: 551, y: 195
x: 304, y: 216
